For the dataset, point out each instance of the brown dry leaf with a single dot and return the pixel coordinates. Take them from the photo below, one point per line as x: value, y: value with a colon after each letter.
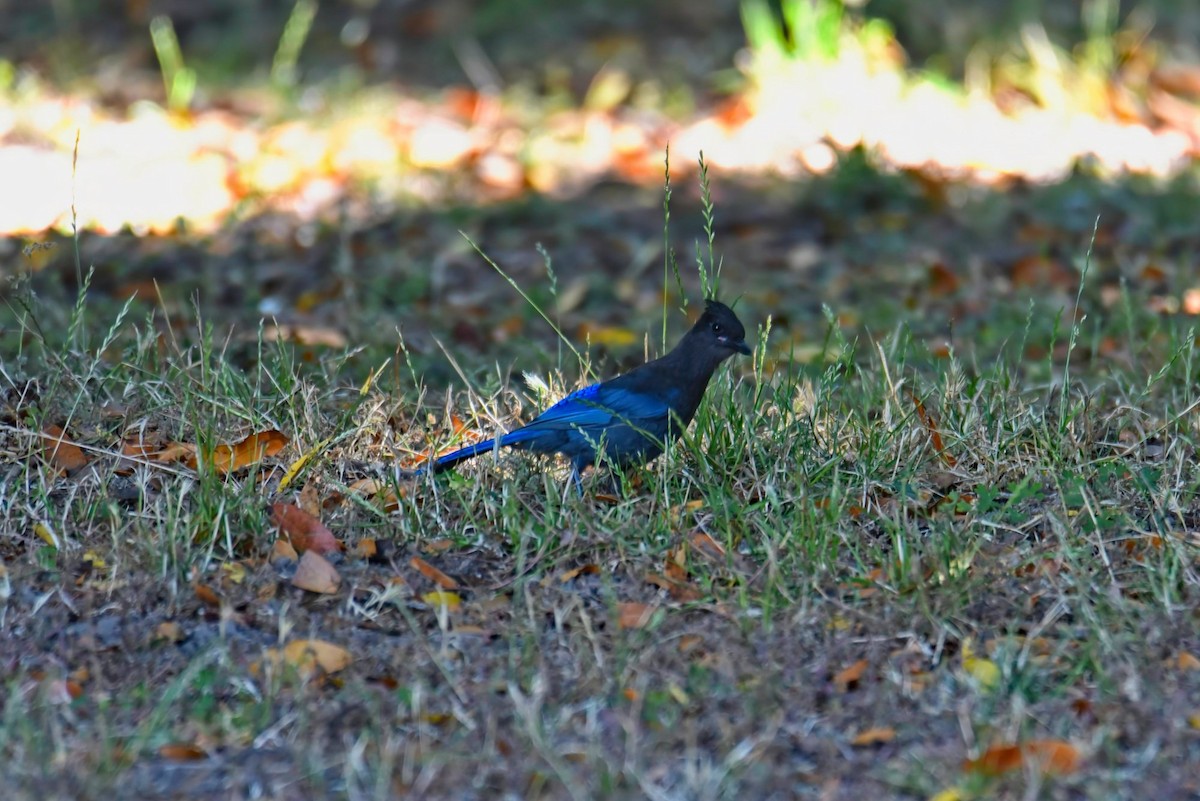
x: 874, y: 736
x: 675, y: 566
x: 582, y: 570
x: 139, y: 445
x: 634, y: 615
x: 182, y: 752
x: 207, y: 595
x: 315, y: 574
x: 935, y: 436
x: 942, y: 280
x: 366, y: 548
x: 303, y: 531
x: 176, y: 452
x: 169, y: 631
x: 847, y: 678
x: 1042, y: 271
x: 60, y: 452
x: 681, y: 591
x: 1055, y: 757
x: 310, y: 499
x: 251, y: 450
x: 432, y: 573
x: 706, y: 545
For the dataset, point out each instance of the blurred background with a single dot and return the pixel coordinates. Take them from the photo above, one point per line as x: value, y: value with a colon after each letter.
x: 190, y: 112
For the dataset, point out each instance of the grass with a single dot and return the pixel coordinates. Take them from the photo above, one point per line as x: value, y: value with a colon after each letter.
x: 956, y: 552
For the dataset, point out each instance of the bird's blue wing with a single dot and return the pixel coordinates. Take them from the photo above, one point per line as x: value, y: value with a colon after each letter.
x: 602, y: 405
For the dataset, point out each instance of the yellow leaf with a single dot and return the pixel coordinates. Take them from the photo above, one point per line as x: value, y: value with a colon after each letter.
x: 310, y: 656
x: 983, y: 671
x: 949, y: 794
x: 94, y: 559
x: 44, y: 531
x: 450, y: 600
x: 1194, y: 720
x: 234, y: 571
x: 611, y: 336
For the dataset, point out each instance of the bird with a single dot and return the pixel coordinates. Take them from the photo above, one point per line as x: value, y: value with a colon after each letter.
x: 627, y: 420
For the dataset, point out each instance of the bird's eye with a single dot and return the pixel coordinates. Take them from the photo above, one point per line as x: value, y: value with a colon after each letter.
x: 716, y: 328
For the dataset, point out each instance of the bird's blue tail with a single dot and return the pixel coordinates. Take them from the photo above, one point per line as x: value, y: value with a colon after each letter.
x: 446, y: 461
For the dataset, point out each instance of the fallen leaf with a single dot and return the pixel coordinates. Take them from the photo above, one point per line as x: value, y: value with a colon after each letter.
x: 609, y: 336
x: 847, y: 679
x: 576, y: 572
x: 282, y: 549
x: 874, y: 736
x: 170, y: 631
x: 432, y: 573
x: 1051, y: 757
x: 935, y: 436
x: 707, y: 545
x: 449, y: 600
x: 207, y: 595
x: 942, y: 280
x: 60, y: 452
x: 310, y: 657
x: 315, y: 574
x: 634, y: 615
x: 182, y: 752
x: 303, y: 531
x: 46, y: 534
x: 251, y: 450
x: 1186, y: 662
x: 984, y: 671
x: 680, y: 591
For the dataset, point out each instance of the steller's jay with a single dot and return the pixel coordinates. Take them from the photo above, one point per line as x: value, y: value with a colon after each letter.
x: 629, y: 419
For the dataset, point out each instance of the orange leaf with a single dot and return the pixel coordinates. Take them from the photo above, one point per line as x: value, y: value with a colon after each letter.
x: 847, y: 678
x: 875, y: 736
x: 207, y: 595
x: 1187, y: 662
x: 1048, y: 756
x: 679, y: 590
x: 707, y: 545
x: 310, y: 657
x: 633, y: 615
x: 282, y: 549
x: 176, y: 452
x: 366, y: 548
x: 432, y: 573
x: 304, y: 532
x: 251, y: 450
x: 60, y: 451
x: 315, y: 574
x: 582, y: 570
x: 182, y: 752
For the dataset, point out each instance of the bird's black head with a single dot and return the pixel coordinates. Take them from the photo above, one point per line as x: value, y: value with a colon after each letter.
x: 720, y: 327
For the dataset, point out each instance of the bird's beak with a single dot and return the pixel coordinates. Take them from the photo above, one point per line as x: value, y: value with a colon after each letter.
x: 738, y: 345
